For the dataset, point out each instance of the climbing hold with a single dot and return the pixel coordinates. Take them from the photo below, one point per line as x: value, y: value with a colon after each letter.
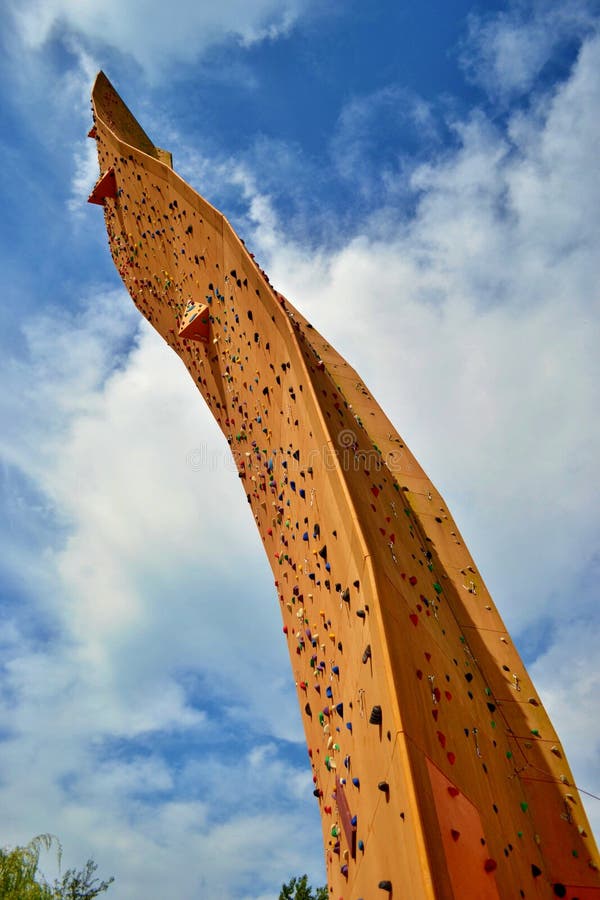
x: 356, y: 782
x: 105, y: 187
x: 455, y: 834
x: 385, y: 886
x: 490, y: 865
x: 559, y: 890
x: 376, y: 716
x: 383, y: 786
x: 361, y: 845
x: 535, y: 871
x: 367, y: 654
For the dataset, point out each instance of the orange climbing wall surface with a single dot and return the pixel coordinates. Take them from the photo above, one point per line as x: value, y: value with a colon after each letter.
x: 436, y: 769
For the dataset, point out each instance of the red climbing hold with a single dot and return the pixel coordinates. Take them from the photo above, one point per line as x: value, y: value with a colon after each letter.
x: 105, y: 187
x: 490, y: 865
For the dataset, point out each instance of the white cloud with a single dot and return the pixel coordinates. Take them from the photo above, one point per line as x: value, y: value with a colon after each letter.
x: 506, y: 52
x: 475, y: 325
x: 489, y: 299
x: 150, y: 594
x: 155, y: 34
x: 390, y: 116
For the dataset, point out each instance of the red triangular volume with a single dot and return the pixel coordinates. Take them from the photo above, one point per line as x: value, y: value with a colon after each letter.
x: 194, y: 322
x: 92, y: 132
x: 105, y: 187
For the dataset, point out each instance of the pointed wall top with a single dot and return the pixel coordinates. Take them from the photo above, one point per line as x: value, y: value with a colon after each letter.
x: 110, y: 109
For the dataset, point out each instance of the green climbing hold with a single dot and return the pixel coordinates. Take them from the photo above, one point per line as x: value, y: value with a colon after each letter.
x: 524, y: 806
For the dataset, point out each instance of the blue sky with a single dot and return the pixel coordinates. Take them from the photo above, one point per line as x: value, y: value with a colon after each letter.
x: 422, y: 181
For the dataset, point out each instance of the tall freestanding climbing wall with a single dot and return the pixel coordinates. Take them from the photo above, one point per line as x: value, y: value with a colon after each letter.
x: 437, y: 771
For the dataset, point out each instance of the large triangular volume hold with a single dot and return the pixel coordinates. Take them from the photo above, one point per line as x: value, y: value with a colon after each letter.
x: 195, y: 322
x: 106, y: 186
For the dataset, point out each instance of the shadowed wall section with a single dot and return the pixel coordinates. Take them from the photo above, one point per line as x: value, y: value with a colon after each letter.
x: 436, y: 768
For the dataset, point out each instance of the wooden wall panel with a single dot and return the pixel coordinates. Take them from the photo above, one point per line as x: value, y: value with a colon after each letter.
x: 424, y: 731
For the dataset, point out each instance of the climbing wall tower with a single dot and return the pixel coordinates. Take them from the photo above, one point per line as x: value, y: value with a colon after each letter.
x: 437, y: 771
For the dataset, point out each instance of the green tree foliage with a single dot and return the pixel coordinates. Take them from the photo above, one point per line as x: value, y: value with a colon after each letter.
x: 299, y: 889
x: 80, y: 885
x: 21, y: 880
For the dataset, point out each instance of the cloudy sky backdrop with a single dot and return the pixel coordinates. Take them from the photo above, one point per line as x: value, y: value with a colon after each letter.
x: 422, y: 180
